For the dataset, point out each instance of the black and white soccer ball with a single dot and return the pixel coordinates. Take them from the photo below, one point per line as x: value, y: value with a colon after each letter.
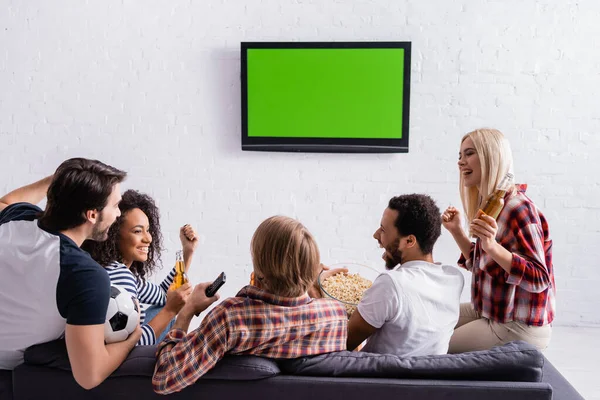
x: 122, y: 315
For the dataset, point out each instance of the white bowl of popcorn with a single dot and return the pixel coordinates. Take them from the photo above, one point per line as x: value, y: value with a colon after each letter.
x: 347, y: 288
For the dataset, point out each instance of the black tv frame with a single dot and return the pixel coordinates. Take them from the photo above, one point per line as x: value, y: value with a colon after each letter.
x: 326, y: 145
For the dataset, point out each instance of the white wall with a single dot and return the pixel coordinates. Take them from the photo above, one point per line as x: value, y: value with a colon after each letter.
x: 152, y: 87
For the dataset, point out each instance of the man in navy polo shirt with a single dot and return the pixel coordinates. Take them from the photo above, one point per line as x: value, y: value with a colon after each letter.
x: 48, y: 285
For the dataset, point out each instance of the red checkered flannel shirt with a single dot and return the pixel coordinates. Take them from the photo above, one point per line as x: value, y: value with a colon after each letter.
x: 254, y: 322
x: 527, y: 293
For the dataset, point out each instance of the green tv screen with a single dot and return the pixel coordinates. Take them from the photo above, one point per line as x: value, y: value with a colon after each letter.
x: 320, y: 96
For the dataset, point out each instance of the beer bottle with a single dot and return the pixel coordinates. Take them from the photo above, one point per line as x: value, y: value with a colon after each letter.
x: 180, y: 275
x: 495, y: 202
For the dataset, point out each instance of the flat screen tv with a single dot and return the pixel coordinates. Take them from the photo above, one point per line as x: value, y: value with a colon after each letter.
x: 325, y: 96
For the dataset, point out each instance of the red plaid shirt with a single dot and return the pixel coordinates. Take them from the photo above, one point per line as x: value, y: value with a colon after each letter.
x: 526, y: 294
x: 254, y: 322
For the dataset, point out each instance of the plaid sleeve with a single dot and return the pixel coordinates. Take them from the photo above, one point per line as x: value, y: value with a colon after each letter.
x: 528, y: 269
x: 182, y: 359
x: 463, y: 262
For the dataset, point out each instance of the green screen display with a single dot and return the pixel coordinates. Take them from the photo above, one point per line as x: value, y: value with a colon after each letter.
x: 325, y: 93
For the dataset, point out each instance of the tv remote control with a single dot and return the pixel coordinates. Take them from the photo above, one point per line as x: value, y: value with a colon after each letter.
x: 216, y: 285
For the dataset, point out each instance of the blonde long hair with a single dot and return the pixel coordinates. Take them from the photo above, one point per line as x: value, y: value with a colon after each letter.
x: 495, y: 157
x: 285, y: 256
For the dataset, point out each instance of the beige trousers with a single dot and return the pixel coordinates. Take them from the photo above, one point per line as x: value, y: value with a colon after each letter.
x: 473, y: 332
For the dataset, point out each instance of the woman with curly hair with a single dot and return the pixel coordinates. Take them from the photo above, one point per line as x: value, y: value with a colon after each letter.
x: 132, y: 252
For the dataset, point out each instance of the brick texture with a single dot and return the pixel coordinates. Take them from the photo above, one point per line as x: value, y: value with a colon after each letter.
x: 153, y: 88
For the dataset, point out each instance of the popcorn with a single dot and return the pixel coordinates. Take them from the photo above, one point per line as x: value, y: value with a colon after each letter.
x: 348, y: 288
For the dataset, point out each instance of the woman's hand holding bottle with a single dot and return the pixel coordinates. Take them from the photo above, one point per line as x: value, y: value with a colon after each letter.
x: 485, y: 228
x: 176, y: 298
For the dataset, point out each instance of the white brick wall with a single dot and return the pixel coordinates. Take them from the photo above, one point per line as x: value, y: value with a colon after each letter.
x: 153, y: 87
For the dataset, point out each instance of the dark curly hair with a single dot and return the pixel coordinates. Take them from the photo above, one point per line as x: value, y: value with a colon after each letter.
x: 418, y: 215
x: 108, y: 251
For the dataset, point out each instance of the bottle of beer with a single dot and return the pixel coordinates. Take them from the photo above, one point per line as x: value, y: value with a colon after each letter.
x: 495, y: 202
x: 180, y: 275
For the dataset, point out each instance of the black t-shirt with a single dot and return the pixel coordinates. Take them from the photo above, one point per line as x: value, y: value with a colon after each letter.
x: 45, y: 279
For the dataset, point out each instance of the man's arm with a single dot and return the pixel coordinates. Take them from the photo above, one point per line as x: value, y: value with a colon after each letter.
x: 379, y: 304
x: 91, y: 360
x: 314, y: 290
x: 181, y: 360
x: 33, y: 193
x: 196, y: 303
x: 358, y: 331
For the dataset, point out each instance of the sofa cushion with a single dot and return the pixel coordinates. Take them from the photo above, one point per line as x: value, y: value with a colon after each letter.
x: 515, y: 361
x: 243, y: 368
x: 141, y: 360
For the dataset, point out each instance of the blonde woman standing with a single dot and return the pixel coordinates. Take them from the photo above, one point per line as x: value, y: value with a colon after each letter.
x: 512, y: 289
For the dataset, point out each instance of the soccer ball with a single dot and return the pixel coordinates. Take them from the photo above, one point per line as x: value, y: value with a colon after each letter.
x: 122, y: 316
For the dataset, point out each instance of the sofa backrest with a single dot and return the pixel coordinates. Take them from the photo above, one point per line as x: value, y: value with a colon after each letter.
x: 515, y: 361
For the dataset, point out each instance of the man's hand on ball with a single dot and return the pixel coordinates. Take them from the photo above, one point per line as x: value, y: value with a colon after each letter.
x: 136, y: 335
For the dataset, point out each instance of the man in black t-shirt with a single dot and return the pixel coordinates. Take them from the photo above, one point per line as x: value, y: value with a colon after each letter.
x: 48, y: 285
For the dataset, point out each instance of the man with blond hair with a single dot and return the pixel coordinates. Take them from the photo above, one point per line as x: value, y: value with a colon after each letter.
x: 273, y: 318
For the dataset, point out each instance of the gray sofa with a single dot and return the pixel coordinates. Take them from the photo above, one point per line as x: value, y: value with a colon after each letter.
x: 516, y: 371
